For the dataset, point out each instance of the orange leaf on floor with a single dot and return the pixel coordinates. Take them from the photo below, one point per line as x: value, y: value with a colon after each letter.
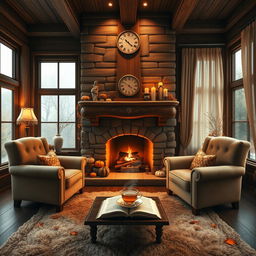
x: 73, y: 233
x: 194, y: 222
x: 230, y: 241
x: 214, y: 225
x: 39, y: 224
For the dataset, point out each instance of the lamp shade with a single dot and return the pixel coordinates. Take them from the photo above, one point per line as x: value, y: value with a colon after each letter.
x: 27, y: 117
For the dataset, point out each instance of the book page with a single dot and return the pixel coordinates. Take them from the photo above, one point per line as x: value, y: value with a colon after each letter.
x: 147, y: 209
x: 109, y: 208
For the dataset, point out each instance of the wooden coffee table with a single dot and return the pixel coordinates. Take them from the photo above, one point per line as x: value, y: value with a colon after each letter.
x: 93, y: 222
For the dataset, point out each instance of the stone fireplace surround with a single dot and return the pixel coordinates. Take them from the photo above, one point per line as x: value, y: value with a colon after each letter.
x: 102, y: 121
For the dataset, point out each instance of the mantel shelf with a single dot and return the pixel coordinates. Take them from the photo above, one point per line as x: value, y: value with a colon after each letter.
x: 94, y: 110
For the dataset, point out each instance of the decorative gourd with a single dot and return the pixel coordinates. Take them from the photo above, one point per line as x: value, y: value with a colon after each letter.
x: 103, y: 171
x: 160, y: 173
x: 99, y: 163
x: 103, y: 96
x: 85, y: 97
x: 93, y: 174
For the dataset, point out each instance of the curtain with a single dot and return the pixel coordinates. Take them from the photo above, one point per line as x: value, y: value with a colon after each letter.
x: 248, y: 47
x: 187, y: 95
x: 208, y: 96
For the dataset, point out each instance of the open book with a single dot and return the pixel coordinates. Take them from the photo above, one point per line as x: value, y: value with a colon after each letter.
x: 110, y: 209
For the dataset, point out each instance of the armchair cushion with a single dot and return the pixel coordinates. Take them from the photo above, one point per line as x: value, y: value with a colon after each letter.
x: 50, y: 159
x: 182, y: 178
x: 72, y: 176
x: 202, y: 160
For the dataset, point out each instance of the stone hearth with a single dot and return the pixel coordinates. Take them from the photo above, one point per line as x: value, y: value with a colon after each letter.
x: 103, y: 121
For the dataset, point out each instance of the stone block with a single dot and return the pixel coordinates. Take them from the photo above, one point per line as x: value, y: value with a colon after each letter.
x: 169, y: 79
x: 113, y: 132
x: 171, y: 136
x: 109, y: 43
x: 99, y: 50
x: 137, y: 122
x: 158, y: 150
x: 171, y: 122
x: 158, y: 163
x: 86, y: 122
x: 158, y: 156
x: 110, y: 55
x: 167, y: 64
x: 100, y: 151
x: 91, y: 57
x: 92, y: 138
x: 85, y: 94
x: 142, y: 131
x: 87, y: 48
x: 127, y: 129
x: 106, y: 136
x: 87, y: 65
x: 168, y: 129
x: 100, y: 157
x: 100, y: 139
x: 134, y: 130
x: 144, y: 46
x: 149, y: 121
x: 119, y: 130
x: 98, y: 146
x: 88, y: 79
x: 116, y: 122
x: 103, y: 30
x: 105, y: 122
x: 161, y: 137
x: 162, y: 48
x: 93, y: 39
x: 98, y: 130
x: 171, y: 144
x: 151, y: 30
x: 160, y: 145
x: 162, y: 39
x: 88, y: 151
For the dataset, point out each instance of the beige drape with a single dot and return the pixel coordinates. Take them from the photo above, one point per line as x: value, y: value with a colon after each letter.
x: 248, y: 47
x: 208, y: 94
x: 187, y: 96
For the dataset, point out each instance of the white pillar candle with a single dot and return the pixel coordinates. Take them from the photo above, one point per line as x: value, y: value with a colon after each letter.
x: 146, y: 90
x: 153, y: 93
x: 165, y: 92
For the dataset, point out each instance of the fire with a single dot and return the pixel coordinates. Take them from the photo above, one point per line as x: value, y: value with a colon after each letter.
x: 129, y: 157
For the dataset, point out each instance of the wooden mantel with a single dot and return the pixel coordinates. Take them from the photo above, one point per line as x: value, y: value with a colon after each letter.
x: 93, y: 110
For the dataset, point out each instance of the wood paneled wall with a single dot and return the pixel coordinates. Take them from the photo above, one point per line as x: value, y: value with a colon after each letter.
x: 99, y: 54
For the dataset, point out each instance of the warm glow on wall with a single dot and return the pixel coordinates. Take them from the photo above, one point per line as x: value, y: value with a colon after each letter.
x: 110, y: 4
x: 145, y: 4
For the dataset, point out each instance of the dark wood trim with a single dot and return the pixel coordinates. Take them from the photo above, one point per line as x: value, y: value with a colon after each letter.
x: 128, y: 11
x: 182, y: 13
x: 8, y: 81
x: 46, y: 30
x: 68, y: 16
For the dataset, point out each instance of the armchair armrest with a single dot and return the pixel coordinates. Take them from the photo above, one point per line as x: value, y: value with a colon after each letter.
x: 217, y: 172
x: 38, y: 171
x: 178, y: 162
x: 72, y: 162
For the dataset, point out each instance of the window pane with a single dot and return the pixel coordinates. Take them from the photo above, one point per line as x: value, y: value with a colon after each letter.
x: 49, y: 108
x: 49, y: 131
x: 68, y: 133
x: 240, y: 130
x: 238, y: 65
x: 49, y: 75
x: 6, y: 104
x: 67, y: 108
x: 240, y: 113
x: 6, y: 135
x: 67, y: 75
x: 6, y: 60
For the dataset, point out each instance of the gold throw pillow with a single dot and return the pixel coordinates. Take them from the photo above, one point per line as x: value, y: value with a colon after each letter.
x: 50, y: 159
x: 202, y: 160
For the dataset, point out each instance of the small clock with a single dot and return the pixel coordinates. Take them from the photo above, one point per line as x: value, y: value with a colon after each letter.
x: 128, y: 42
x: 129, y: 85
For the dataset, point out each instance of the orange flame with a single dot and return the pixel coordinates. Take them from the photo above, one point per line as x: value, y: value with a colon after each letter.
x: 129, y: 157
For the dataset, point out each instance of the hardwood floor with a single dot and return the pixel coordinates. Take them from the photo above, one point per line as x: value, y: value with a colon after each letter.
x: 242, y: 220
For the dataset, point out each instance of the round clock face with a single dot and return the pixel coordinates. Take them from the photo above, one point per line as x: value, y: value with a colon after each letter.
x: 129, y: 85
x: 128, y: 42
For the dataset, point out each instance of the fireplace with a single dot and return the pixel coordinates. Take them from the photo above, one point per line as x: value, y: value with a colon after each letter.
x: 109, y: 128
x: 129, y: 153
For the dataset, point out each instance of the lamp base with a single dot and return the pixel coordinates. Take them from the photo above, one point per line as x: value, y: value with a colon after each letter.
x: 27, y: 131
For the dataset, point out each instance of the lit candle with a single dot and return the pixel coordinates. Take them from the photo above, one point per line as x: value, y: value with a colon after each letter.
x: 153, y: 93
x: 146, y: 90
x: 160, y: 84
x: 160, y: 90
x: 165, y: 92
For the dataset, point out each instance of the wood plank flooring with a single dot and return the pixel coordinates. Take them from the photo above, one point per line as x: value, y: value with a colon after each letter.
x: 242, y: 220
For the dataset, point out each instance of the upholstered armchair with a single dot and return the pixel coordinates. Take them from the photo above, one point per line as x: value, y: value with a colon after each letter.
x: 212, y: 185
x: 40, y: 183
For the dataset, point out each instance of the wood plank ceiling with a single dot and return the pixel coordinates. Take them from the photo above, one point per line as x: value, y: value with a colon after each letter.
x: 184, y: 14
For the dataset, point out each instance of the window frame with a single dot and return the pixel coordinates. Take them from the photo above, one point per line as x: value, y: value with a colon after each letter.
x: 236, y: 85
x: 58, y: 92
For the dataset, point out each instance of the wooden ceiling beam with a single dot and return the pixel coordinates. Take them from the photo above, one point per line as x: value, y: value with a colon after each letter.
x: 240, y: 11
x: 182, y: 13
x: 68, y: 16
x: 128, y: 11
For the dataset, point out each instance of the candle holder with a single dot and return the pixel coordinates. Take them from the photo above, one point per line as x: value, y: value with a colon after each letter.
x: 147, y: 96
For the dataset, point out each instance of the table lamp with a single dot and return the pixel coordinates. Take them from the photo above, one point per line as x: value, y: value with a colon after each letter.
x: 27, y: 117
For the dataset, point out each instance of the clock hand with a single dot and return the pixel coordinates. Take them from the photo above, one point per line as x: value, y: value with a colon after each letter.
x: 128, y: 42
x: 127, y: 84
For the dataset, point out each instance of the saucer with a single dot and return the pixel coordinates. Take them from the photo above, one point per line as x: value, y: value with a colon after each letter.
x: 122, y: 203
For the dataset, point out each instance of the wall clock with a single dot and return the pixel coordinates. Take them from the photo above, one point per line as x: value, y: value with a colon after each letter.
x: 129, y: 85
x: 128, y: 42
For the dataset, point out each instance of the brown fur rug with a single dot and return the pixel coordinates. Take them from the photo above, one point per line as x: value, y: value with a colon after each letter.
x: 50, y: 233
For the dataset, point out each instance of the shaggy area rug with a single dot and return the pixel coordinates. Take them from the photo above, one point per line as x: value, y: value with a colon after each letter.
x: 50, y: 233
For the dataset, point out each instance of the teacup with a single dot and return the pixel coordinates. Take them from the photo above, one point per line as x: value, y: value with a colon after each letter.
x: 130, y: 195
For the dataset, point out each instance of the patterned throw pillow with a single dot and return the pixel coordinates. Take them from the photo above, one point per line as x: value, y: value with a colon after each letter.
x: 50, y: 159
x: 202, y: 160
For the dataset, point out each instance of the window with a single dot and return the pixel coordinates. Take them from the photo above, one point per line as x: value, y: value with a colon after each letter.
x: 57, y: 92
x: 240, y: 124
x: 7, y: 120
x: 6, y: 61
